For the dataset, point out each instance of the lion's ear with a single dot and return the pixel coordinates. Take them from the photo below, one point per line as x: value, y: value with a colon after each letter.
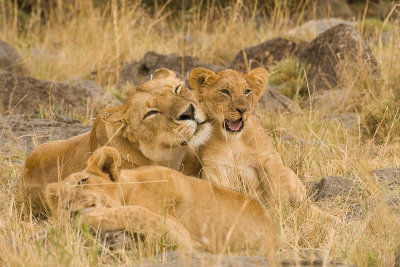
x: 52, y: 196
x: 163, y: 73
x: 200, y: 77
x: 115, y: 116
x: 257, y: 79
x: 105, y: 162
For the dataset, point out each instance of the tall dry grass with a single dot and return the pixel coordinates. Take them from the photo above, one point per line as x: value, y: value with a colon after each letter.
x: 75, y: 41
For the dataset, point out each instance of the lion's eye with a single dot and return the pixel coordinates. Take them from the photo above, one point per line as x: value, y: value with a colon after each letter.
x: 225, y: 92
x: 83, y: 181
x: 151, y: 112
x: 247, y: 92
x: 178, y: 89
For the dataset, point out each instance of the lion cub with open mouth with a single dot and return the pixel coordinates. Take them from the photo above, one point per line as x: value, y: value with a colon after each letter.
x: 190, y: 210
x: 240, y: 155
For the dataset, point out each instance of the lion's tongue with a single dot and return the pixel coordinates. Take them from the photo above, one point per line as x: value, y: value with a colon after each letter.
x: 234, y: 125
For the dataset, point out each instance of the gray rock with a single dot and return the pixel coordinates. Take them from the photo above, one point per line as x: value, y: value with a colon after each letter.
x: 334, y: 186
x: 100, y: 96
x: 10, y: 60
x: 138, y: 71
x: 356, y: 211
x: 388, y: 176
x: 314, y: 27
x: 330, y: 47
x: 348, y: 120
x: 26, y: 95
x: 117, y: 240
x: 22, y: 133
x: 263, y: 55
x: 275, y: 102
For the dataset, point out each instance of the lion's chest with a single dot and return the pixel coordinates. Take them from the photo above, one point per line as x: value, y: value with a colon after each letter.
x: 231, y: 166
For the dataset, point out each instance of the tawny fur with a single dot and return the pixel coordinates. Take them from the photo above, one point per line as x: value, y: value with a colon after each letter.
x: 158, y: 139
x: 195, y: 211
x: 244, y: 160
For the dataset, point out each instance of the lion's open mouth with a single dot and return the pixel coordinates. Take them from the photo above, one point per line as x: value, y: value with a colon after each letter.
x: 233, y: 126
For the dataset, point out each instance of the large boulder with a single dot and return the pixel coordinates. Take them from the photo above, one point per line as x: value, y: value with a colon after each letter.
x: 10, y: 60
x: 263, y: 55
x: 138, y: 71
x: 325, y: 52
x: 22, y: 133
x: 26, y: 95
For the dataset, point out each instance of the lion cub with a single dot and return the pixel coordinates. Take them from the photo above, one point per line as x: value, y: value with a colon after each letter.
x: 240, y: 154
x: 194, y: 211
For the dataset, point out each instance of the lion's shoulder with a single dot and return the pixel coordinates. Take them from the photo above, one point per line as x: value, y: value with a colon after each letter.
x: 58, y: 149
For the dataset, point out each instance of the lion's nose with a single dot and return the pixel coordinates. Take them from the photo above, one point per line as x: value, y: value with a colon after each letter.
x: 188, y: 114
x: 241, y: 110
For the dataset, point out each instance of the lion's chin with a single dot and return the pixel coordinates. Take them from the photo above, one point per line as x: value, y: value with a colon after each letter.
x: 200, y: 136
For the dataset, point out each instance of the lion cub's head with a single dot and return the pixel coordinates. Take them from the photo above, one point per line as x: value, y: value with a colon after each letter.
x: 162, y: 114
x: 229, y: 96
x: 96, y: 186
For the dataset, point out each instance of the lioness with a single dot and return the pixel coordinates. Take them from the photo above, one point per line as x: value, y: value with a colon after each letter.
x: 194, y: 211
x: 240, y: 154
x: 157, y: 126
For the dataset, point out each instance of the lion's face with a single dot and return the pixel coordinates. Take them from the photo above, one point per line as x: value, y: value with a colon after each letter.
x: 93, y: 187
x: 163, y: 114
x: 229, y: 97
x: 80, y: 191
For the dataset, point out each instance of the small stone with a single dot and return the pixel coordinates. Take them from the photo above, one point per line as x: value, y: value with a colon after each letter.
x: 335, y: 186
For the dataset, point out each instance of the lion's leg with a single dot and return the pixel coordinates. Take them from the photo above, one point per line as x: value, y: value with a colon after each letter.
x: 281, y: 179
x: 138, y: 219
x: 216, y: 174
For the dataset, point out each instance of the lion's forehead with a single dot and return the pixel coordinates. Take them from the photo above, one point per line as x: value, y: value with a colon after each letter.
x: 164, y: 85
x: 162, y: 100
x: 74, y: 178
x: 233, y: 82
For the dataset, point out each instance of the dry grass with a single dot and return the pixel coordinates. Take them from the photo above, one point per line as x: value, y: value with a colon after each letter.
x: 85, y: 38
